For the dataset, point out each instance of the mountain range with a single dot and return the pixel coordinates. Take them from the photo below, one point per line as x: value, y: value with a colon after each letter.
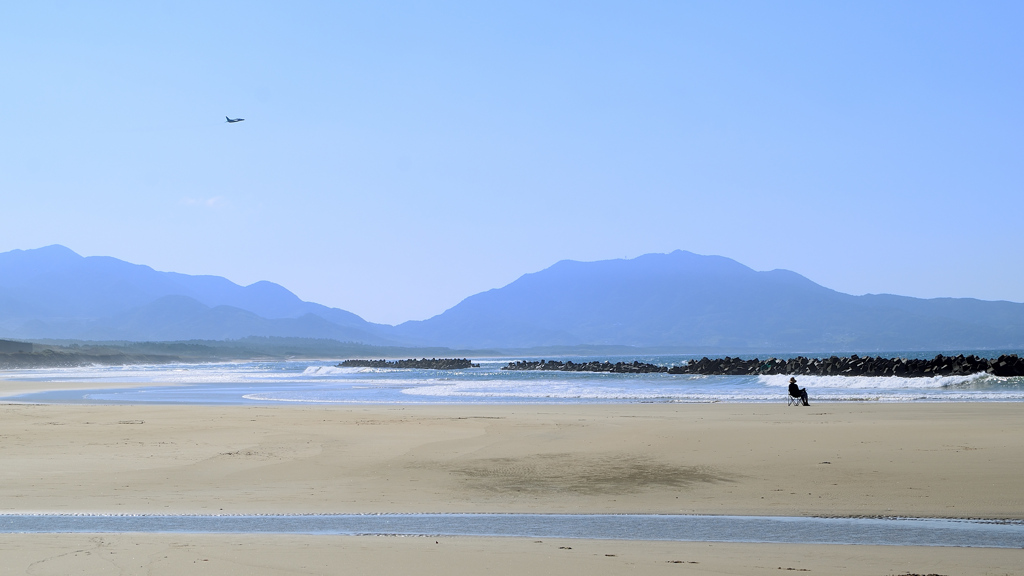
x: 53, y: 292
x: 680, y: 301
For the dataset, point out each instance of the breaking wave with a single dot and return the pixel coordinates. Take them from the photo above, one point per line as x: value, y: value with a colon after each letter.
x: 315, y: 382
x: 878, y: 382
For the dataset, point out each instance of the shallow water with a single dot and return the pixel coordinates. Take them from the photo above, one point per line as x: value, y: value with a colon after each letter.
x: 316, y: 382
x: 870, y: 531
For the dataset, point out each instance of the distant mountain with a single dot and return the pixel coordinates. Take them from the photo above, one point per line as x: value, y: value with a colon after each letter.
x: 687, y: 300
x: 53, y: 292
x: 679, y: 301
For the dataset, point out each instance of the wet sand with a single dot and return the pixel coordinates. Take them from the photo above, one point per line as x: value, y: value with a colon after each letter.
x: 227, y: 555
x: 941, y: 460
x: 9, y: 388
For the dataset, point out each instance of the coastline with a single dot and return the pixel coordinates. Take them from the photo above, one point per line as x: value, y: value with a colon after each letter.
x: 276, y: 383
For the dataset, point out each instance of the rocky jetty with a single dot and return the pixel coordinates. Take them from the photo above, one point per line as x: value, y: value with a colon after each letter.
x: 423, y: 363
x: 594, y: 366
x: 853, y: 365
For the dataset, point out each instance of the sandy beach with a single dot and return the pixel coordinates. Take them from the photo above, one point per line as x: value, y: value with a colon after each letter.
x: 241, y: 555
x: 9, y: 388
x: 939, y: 460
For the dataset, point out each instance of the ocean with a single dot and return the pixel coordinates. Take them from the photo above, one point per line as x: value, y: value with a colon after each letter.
x: 321, y: 382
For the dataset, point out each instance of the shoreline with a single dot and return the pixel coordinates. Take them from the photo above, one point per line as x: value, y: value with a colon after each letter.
x: 10, y: 388
x: 625, y: 527
x: 52, y: 513
x: 300, y: 382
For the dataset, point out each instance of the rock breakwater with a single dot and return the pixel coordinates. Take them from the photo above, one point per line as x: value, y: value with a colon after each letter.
x: 423, y: 363
x: 853, y: 365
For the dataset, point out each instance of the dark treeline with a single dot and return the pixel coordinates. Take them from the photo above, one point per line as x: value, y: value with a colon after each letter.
x: 423, y: 363
x: 60, y: 359
x: 1005, y: 365
x: 77, y: 353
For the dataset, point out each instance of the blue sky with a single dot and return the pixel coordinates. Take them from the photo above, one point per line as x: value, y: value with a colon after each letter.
x: 398, y: 157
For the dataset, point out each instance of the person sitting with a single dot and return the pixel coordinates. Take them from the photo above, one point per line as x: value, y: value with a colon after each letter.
x: 798, y: 392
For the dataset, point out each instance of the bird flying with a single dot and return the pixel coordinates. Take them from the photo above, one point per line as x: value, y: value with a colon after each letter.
x: 233, y: 120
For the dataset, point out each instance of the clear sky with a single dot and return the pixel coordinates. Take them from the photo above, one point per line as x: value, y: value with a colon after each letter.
x: 398, y: 157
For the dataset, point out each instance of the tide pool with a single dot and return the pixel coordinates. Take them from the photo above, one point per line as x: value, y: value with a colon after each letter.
x: 775, y: 529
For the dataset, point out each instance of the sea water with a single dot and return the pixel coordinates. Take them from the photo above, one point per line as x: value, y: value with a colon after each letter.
x: 321, y: 382
x: 872, y: 531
